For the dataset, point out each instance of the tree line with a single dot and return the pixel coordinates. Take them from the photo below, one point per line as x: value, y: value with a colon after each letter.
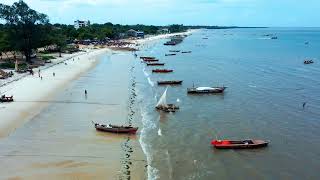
x: 26, y: 30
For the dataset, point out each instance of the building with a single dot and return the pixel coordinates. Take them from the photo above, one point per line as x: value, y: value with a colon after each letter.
x: 78, y: 24
x: 131, y: 33
x: 140, y: 34
x: 134, y: 33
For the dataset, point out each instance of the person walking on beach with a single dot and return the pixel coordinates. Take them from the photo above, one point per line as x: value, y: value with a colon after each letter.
x: 41, y: 77
x: 85, y: 92
x: 54, y: 74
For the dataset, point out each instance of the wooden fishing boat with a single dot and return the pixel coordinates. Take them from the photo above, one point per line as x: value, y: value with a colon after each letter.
x: 162, y: 70
x: 170, y: 54
x: 150, y: 60
x: 115, y: 129
x: 206, y: 90
x: 147, y: 57
x: 169, y: 82
x: 163, y: 106
x: 184, y: 52
x: 174, y: 50
x: 155, y: 64
x: 4, y: 98
x: 168, y: 108
x: 239, y: 144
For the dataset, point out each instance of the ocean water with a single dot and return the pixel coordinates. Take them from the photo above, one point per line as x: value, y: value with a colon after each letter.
x: 267, y: 85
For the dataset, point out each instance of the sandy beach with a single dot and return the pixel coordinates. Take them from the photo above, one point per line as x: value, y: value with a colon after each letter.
x: 31, y: 93
x: 36, y: 103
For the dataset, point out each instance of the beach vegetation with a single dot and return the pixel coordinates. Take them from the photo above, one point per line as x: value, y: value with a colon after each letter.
x: 24, y: 27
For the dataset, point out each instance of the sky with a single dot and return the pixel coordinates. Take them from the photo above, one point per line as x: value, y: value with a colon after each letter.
x: 271, y: 13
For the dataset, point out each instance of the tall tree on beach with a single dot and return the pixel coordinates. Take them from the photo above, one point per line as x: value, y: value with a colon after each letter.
x: 25, y: 32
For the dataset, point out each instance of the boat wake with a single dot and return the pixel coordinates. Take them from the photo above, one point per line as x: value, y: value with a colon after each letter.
x: 148, y: 77
x: 159, y: 132
x: 150, y: 82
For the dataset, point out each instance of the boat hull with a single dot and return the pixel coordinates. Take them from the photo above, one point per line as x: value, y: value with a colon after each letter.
x: 117, y: 129
x: 246, y: 144
x: 219, y: 90
x: 162, y: 71
x: 155, y: 64
x: 169, y: 82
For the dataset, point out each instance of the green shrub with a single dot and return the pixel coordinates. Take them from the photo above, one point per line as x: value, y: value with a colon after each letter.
x: 7, y: 65
x: 47, y: 57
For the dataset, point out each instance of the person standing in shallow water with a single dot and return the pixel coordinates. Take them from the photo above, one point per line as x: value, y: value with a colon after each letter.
x: 85, y: 94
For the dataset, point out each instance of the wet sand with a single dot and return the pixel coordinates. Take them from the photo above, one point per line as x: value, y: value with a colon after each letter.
x: 60, y: 142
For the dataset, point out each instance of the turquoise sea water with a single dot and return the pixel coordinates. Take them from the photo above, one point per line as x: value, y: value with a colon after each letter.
x: 267, y: 85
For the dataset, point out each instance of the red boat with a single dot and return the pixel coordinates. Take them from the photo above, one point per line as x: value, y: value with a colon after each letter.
x: 162, y: 70
x: 169, y: 82
x: 147, y: 57
x: 150, y: 60
x: 239, y: 144
x: 155, y: 64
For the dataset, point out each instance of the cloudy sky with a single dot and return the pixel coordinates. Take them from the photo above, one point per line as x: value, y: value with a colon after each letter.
x: 287, y: 13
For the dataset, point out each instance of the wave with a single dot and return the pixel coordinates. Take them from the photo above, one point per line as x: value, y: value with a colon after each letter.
x: 150, y: 82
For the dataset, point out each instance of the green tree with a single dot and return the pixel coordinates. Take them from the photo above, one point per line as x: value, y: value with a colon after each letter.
x: 25, y: 32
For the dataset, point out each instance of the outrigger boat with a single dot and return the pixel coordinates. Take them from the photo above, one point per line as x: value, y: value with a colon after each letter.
x: 208, y: 90
x: 162, y: 70
x: 4, y: 98
x: 155, y: 64
x: 163, y: 106
x: 242, y: 144
x: 169, y: 82
x: 115, y: 129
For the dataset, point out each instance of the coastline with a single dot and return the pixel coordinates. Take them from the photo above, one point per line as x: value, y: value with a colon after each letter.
x: 31, y: 94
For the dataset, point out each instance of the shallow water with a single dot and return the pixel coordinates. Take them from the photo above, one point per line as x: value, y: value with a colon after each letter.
x: 62, y: 143
x: 267, y: 85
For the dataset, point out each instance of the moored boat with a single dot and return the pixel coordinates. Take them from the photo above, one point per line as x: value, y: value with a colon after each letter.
x: 4, y: 98
x: 308, y: 62
x: 163, y: 106
x: 184, y: 52
x: 239, y: 144
x: 162, y: 70
x: 170, y: 54
x: 169, y: 82
x: 115, y: 129
x: 155, y: 64
x: 150, y: 60
x: 174, y: 50
x: 206, y: 90
x: 147, y: 57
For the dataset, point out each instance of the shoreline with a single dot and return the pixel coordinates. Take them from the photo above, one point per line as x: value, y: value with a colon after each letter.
x: 29, y: 91
x: 32, y: 95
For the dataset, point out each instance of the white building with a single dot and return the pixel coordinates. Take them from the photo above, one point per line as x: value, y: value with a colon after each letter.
x: 78, y: 24
x: 134, y: 33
